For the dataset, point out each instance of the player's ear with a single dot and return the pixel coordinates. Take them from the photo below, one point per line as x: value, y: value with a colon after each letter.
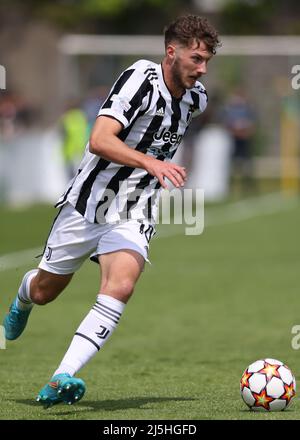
x: 171, y: 51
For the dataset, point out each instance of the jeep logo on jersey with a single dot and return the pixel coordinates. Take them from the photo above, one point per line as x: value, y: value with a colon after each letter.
x: 166, y: 136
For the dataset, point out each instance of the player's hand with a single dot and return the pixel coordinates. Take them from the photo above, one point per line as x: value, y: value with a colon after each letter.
x: 174, y: 173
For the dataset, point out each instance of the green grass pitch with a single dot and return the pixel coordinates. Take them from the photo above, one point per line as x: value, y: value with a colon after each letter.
x: 206, y: 308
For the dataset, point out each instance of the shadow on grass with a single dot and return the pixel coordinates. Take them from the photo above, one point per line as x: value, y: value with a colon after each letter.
x: 108, y: 405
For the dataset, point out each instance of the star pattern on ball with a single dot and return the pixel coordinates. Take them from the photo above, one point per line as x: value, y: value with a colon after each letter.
x: 289, y: 392
x: 245, y: 380
x: 270, y: 371
x: 262, y: 399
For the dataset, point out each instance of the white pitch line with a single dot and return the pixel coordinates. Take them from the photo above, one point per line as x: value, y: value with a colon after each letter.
x: 17, y: 259
x: 216, y: 216
x: 250, y: 208
x: 239, y: 211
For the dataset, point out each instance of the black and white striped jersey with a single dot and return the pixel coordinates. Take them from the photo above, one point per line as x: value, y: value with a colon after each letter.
x: 154, y: 122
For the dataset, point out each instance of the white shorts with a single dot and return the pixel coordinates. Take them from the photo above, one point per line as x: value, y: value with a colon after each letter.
x: 73, y: 239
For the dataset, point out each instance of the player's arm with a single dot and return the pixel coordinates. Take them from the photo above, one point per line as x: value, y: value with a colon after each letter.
x: 104, y: 142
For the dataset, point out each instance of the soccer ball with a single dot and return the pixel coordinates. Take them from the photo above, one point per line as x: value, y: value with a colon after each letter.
x: 268, y: 385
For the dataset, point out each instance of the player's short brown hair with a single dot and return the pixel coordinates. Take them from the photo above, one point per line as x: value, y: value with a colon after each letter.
x: 188, y: 28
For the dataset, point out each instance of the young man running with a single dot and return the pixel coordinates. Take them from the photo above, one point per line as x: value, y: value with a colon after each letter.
x: 108, y: 212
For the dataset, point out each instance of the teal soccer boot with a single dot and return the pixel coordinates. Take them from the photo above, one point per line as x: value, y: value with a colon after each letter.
x: 15, y: 321
x: 61, y: 388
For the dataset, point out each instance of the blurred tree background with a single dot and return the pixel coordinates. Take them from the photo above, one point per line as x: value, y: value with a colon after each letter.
x: 30, y: 32
x: 234, y: 17
x: 261, y: 17
x: 97, y: 16
x: 42, y: 77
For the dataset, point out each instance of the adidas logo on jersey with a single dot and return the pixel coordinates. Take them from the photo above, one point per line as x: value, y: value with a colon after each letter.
x: 151, y: 74
x: 160, y: 112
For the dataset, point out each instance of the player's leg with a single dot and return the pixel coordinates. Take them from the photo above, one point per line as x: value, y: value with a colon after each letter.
x: 120, y: 272
x: 70, y: 241
x: 40, y: 287
x: 121, y: 269
x: 45, y: 287
x: 37, y: 287
x: 123, y: 251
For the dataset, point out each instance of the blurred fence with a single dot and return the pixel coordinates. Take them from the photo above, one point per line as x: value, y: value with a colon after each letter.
x: 31, y: 168
x: 31, y: 165
x: 263, y: 66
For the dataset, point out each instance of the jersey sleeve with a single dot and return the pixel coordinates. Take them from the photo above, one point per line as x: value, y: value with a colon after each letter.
x: 129, y: 95
x: 199, y: 96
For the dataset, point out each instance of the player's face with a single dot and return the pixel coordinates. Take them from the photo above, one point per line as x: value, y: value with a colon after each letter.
x: 189, y: 64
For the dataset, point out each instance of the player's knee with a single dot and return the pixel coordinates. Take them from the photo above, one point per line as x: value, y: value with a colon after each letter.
x: 121, y: 290
x: 41, y: 297
x: 126, y: 289
x: 42, y: 294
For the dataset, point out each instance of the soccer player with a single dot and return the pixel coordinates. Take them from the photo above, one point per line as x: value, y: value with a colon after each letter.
x: 108, y: 211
